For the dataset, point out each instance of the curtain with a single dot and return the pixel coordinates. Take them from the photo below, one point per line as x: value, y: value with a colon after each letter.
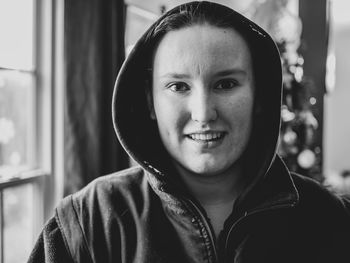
x: 94, y: 51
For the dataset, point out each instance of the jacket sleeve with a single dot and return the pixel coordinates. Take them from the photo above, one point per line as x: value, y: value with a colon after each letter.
x: 50, y: 246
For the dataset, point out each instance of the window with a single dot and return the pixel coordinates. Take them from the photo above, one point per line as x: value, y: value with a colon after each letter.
x: 17, y: 85
x: 28, y: 68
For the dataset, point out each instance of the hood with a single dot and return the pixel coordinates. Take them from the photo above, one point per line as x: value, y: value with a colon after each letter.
x: 139, y: 135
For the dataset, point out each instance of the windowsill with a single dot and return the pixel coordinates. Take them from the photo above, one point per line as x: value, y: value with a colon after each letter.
x: 19, y: 175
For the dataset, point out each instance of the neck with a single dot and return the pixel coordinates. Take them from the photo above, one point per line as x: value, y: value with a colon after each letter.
x: 218, y: 189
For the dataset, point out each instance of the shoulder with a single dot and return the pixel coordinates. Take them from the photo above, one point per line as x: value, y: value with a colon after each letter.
x: 119, y: 180
x: 50, y: 246
x: 115, y: 190
x: 106, y: 199
x: 103, y: 210
x: 322, y: 217
x: 309, y: 188
x: 320, y: 200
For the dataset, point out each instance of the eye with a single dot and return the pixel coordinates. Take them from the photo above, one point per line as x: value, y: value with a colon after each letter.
x: 227, y: 84
x: 178, y: 87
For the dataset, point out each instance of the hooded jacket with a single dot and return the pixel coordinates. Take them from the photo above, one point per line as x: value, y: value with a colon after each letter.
x: 143, y: 214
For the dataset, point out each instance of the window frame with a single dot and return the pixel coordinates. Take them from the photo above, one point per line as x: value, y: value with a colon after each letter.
x: 47, y: 178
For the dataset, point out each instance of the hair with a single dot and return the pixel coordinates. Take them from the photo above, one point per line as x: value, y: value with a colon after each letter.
x: 189, y: 16
x: 198, y: 13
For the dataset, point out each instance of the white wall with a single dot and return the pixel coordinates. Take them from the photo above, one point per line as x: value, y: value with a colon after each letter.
x: 337, y: 102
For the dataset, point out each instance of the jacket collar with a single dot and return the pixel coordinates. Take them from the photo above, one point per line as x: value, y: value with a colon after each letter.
x: 275, y: 189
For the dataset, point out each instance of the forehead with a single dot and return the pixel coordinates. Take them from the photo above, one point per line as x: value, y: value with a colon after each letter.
x: 202, y: 47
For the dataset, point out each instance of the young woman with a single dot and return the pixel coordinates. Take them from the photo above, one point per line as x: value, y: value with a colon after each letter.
x: 197, y: 106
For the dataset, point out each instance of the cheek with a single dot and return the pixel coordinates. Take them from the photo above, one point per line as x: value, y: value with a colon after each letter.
x: 238, y: 112
x: 169, y: 114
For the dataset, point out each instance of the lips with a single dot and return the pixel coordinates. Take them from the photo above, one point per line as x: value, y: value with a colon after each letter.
x: 206, y: 137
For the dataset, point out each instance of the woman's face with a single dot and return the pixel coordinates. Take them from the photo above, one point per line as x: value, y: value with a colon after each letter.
x: 202, y: 96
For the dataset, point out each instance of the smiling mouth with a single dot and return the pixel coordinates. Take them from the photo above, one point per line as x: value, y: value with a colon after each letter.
x: 206, y: 137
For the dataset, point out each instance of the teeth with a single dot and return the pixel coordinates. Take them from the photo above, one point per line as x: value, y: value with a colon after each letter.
x: 206, y: 136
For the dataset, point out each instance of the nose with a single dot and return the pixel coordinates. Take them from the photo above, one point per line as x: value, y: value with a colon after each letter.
x: 203, y: 106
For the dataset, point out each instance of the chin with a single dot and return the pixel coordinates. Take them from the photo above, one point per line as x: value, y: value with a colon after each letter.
x: 215, y: 166
x: 203, y: 169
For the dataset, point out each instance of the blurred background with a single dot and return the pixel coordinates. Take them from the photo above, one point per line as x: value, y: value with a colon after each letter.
x: 58, y: 63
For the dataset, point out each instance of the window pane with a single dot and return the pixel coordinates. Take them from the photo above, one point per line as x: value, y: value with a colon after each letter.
x: 16, y: 120
x: 137, y: 21
x: 16, y: 34
x: 18, y: 223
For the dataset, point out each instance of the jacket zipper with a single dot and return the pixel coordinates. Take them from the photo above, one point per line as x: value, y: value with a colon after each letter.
x: 208, y: 229
x: 246, y: 214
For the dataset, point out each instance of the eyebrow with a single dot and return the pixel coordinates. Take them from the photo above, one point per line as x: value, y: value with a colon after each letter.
x: 222, y: 73
x: 227, y: 72
x: 175, y: 75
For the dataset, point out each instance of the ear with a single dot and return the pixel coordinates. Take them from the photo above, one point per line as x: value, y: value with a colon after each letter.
x: 150, y: 103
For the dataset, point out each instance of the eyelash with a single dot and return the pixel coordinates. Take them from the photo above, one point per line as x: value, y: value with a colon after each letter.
x: 233, y: 84
x: 178, y: 87
x: 183, y: 87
